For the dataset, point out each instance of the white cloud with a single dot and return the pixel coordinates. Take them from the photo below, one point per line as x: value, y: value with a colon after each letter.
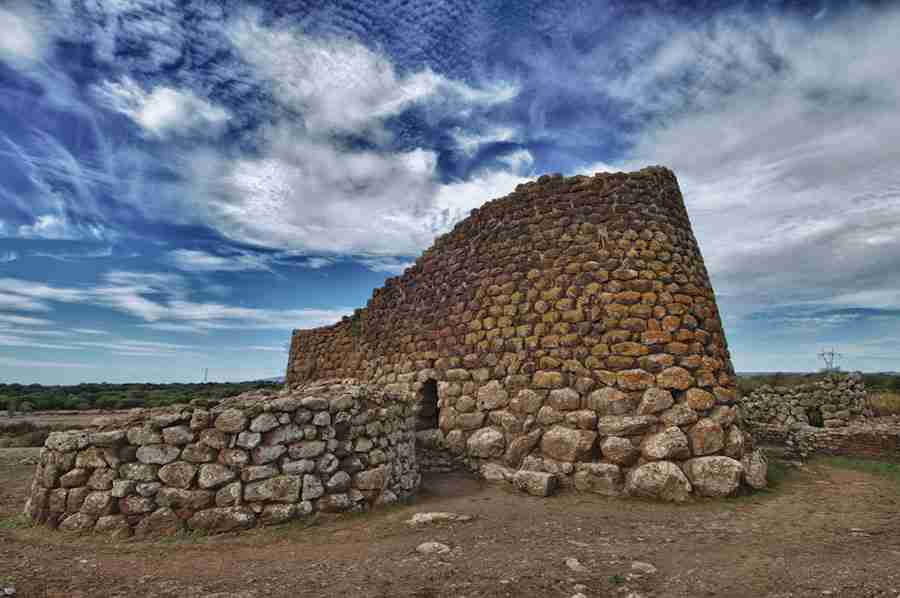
x: 785, y: 138
x: 23, y: 320
x: 48, y: 226
x: 8, y: 256
x: 470, y: 141
x: 161, y: 300
x: 317, y: 263
x: 15, y: 302
x: 66, y: 256
x: 24, y: 40
x: 391, y: 265
x: 200, y: 261
x: 163, y: 112
x: 340, y: 85
x: 90, y: 331
x: 29, y: 363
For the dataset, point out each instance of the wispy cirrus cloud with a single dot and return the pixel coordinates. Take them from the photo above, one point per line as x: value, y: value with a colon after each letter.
x: 38, y: 363
x: 163, y: 111
x: 162, y: 301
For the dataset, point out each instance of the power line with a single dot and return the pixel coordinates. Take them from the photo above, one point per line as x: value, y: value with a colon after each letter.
x: 829, y: 357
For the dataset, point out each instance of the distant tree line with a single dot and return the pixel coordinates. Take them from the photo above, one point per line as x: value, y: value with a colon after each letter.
x: 118, y: 396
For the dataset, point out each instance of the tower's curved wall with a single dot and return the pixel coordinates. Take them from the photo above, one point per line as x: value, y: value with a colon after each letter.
x: 571, y: 321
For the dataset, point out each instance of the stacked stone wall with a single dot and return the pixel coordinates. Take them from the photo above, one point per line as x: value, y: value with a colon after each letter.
x: 832, y: 402
x: 257, y: 458
x: 572, y: 330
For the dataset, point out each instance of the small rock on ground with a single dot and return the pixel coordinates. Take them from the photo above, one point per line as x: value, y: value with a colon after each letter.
x: 575, y: 565
x: 423, y: 518
x: 432, y: 548
x: 643, y: 568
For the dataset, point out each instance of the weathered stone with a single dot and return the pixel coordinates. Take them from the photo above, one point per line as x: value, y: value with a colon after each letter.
x: 679, y: 415
x: 599, y: 478
x: 267, y: 454
x: 213, y: 475
x: 109, y: 438
x: 214, y: 438
x: 178, y: 435
x: 714, y: 476
x: 486, y: 443
x: 273, y: 514
x: 78, y: 523
x: 198, y: 453
x: 90, y: 458
x: 339, y: 482
x: 229, y: 495
x: 565, y: 444
x: 114, y: 526
x: 699, y: 400
x: 178, y: 498
x: 161, y: 522
x: 222, y: 519
x: 625, y: 425
x: 314, y: 403
x: 670, y: 443
x: 234, y: 457
x: 67, y: 441
x: 492, y: 396
x: 610, y: 401
x: 660, y: 480
x: 248, y: 440
x: 755, y: 470
x: 157, y: 454
x: 258, y: 472
x: 706, y: 437
x: 136, y: 505
x: 372, y: 479
x: 547, y: 379
x: 313, y: 488
x: 123, y: 488
x: 619, y: 451
x: 564, y: 399
x: 143, y: 435
x: 734, y: 443
x: 634, y: 379
x: 335, y: 503
x: 231, y: 421
x: 724, y: 415
x: 283, y: 488
x: 535, y: 483
x: 97, y: 503
x: 75, y: 477
x: 676, y: 378
x: 306, y: 450
x: 178, y: 474
x: 527, y: 401
x: 264, y: 422
x: 521, y: 446
x: 654, y: 401
x: 102, y: 479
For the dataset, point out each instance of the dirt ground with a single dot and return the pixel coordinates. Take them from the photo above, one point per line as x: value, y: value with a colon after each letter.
x: 825, y: 531
x: 62, y: 420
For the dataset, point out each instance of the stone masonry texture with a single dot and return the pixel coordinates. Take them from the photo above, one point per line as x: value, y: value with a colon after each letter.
x: 570, y: 329
x: 255, y: 459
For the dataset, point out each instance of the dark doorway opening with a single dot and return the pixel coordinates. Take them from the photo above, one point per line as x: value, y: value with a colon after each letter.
x: 814, y: 415
x: 427, y: 407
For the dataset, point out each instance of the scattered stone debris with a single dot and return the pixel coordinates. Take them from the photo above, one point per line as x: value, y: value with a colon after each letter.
x: 436, y: 517
x: 575, y: 565
x: 643, y: 568
x: 432, y: 548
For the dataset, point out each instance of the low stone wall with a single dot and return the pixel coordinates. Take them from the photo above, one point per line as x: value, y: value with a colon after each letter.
x: 876, y: 438
x: 253, y: 459
x: 831, y: 402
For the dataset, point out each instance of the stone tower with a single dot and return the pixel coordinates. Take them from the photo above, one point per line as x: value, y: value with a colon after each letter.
x: 568, y: 328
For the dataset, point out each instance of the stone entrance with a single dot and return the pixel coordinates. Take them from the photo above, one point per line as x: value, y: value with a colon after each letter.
x: 426, y: 409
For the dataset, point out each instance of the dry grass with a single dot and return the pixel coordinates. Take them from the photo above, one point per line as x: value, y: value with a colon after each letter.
x: 885, y: 403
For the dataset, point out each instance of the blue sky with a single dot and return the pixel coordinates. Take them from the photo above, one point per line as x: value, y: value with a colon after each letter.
x: 187, y: 181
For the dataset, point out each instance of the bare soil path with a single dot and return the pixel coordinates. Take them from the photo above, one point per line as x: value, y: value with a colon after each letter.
x: 825, y: 532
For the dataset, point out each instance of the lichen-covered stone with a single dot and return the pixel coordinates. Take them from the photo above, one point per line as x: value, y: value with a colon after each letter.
x: 599, y: 478
x: 669, y: 444
x: 714, y: 476
x: 565, y: 444
x: 486, y: 443
x: 536, y: 483
x: 660, y: 480
x: 706, y: 437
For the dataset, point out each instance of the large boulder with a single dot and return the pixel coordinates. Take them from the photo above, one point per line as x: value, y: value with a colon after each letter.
x: 755, y: 470
x: 714, y: 476
x: 486, y: 443
x: 671, y: 443
x: 535, y: 483
x: 599, y: 478
x: 661, y: 480
x: 222, y: 519
x: 707, y: 437
x: 565, y: 444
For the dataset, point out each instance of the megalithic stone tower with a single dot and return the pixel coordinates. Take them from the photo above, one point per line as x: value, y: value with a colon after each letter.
x: 569, y: 328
